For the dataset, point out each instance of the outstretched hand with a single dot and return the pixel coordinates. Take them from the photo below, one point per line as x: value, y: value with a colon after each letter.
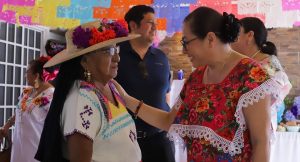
x: 120, y: 89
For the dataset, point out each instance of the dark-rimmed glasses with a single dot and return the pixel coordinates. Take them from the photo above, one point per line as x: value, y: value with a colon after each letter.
x: 144, y: 71
x: 185, y: 43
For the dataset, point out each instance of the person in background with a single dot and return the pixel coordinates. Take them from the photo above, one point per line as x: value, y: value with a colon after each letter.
x: 144, y: 72
x: 223, y: 111
x: 88, y: 120
x: 253, y: 43
x: 31, y: 111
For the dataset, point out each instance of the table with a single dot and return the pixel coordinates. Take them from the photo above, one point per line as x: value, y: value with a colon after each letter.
x: 286, y: 147
x: 180, y: 155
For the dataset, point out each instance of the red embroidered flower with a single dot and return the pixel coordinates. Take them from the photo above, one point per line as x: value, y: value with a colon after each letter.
x: 230, y: 113
x: 197, y: 147
x: 258, y: 74
x: 248, y: 151
x: 26, y: 91
x: 193, y: 115
x: 214, y: 100
x: 43, y: 59
x: 219, y: 120
x: 227, y: 84
x: 228, y: 135
x: 251, y: 85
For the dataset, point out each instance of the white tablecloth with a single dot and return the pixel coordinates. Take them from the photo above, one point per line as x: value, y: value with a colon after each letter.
x: 286, y: 148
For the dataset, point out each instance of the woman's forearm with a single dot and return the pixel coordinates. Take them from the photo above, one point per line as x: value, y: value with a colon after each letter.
x: 10, y: 122
x: 153, y: 116
x: 261, y: 151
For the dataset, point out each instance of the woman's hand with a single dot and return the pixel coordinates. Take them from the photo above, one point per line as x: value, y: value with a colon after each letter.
x: 120, y: 89
x: 3, y: 132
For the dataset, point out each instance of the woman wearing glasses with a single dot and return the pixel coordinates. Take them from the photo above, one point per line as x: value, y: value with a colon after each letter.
x: 223, y: 111
x: 88, y: 120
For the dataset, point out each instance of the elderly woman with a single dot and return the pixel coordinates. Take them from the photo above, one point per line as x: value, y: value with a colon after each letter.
x: 253, y: 43
x: 223, y: 111
x: 31, y: 111
x: 88, y: 120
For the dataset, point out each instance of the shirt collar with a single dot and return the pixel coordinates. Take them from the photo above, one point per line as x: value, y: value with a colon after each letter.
x: 127, y: 47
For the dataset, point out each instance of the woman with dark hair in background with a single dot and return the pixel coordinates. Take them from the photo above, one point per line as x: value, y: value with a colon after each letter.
x: 223, y: 111
x: 31, y: 111
x: 253, y: 43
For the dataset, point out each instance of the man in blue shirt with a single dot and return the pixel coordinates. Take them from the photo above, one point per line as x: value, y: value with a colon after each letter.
x: 144, y: 73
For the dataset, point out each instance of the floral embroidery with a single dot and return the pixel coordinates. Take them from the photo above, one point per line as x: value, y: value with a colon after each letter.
x: 215, y: 112
x: 23, y: 103
x: 86, y: 123
x: 132, y: 136
x: 26, y: 91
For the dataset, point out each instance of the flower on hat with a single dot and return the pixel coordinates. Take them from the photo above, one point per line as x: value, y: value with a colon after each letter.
x: 84, y: 38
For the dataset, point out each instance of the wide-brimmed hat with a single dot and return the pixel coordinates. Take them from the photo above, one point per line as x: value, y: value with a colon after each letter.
x: 91, y: 36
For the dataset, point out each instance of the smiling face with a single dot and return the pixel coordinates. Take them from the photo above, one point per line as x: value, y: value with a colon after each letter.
x: 147, y: 28
x: 196, y: 49
x: 103, y: 63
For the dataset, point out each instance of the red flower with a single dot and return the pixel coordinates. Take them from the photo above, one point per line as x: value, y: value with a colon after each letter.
x: 98, y: 37
x: 214, y: 100
x: 227, y: 84
x: 228, y: 135
x: 236, y: 86
x: 48, y: 58
x: 123, y: 23
x: 193, y: 115
x: 219, y: 120
x: 248, y: 151
x: 43, y: 59
x: 230, y: 113
x: 197, y: 147
x: 251, y: 85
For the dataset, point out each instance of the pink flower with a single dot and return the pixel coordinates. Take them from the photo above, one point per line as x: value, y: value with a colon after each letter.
x: 227, y: 84
x: 197, y: 147
x: 248, y: 151
x: 214, y: 100
x: 193, y: 115
x: 219, y: 120
x: 105, y: 20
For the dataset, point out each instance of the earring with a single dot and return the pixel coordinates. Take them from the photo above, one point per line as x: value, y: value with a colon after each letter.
x: 248, y: 42
x: 87, y: 75
x: 36, y: 84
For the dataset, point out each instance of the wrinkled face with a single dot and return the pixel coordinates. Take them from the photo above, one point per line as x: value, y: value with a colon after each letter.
x: 195, y: 48
x: 30, y: 77
x: 147, y: 28
x: 103, y: 63
x: 241, y: 44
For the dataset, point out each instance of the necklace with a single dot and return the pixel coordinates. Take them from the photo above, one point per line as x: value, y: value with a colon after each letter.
x: 255, y: 53
x: 205, y: 90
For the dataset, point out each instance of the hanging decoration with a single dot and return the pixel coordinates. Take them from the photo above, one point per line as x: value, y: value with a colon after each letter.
x: 170, y: 14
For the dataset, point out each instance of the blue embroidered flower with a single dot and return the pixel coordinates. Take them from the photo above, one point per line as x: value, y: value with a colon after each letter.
x: 219, y: 158
x: 225, y: 156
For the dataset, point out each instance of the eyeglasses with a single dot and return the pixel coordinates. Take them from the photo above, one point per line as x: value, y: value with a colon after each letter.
x: 184, y: 43
x: 110, y: 51
x: 144, y: 71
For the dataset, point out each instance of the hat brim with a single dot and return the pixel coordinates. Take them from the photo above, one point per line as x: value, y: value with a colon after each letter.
x: 65, y: 56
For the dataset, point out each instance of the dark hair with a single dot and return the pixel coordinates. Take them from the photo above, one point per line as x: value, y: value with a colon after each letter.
x: 136, y: 14
x: 50, y: 147
x: 203, y: 20
x: 37, y: 66
x: 260, y: 34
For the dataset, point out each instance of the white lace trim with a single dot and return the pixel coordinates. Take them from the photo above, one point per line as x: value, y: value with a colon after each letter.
x: 178, y: 131
x: 178, y: 103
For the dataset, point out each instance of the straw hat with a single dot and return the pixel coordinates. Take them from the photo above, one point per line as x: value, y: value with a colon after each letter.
x: 73, y: 51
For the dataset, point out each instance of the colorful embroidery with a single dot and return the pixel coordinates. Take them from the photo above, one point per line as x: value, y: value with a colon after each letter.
x: 26, y: 91
x: 86, y: 123
x: 132, y: 136
x: 117, y: 129
x: 210, y: 118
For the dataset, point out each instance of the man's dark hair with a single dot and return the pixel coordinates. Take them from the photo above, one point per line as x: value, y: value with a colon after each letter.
x: 136, y: 14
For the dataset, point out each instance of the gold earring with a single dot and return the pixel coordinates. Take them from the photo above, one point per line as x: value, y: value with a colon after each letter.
x: 87, y: 75
x: 36, y: 84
